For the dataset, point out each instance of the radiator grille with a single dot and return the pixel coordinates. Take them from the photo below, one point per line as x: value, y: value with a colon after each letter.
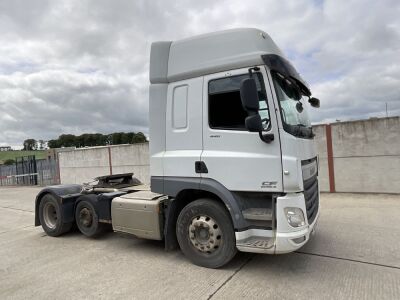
x: 311, y: 196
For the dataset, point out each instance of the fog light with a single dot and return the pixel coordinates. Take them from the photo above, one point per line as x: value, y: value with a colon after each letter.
x: 295, y: 216
x: 299, y: 240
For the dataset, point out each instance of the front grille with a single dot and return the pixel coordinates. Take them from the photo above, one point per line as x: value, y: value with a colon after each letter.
x: 312, y: 198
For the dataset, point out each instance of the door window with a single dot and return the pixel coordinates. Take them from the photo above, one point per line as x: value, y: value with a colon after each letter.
x: 225, y: 110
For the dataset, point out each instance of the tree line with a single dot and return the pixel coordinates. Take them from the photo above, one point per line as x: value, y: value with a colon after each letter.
x: 87, y: 140
x: 32, y: 144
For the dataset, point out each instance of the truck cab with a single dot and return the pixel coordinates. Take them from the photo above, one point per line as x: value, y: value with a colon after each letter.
x: 233, y: 164
x: 256, y: 155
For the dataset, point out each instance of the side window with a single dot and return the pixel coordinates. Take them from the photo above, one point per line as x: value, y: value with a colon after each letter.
x: 225, y: 110
x: 179, y: 107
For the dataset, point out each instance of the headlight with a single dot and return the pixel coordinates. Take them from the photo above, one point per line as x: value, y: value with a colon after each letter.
x: 295, y: 216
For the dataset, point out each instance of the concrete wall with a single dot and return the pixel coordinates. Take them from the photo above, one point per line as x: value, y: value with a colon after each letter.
x: 320, y: 140
x: 82, y: 165
x: 366, y: 155
x: 366, y: 158
x: 132, y: 158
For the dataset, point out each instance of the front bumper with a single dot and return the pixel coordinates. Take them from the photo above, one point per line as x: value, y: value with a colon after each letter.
x: 284, y: 239
x: 286, y: 242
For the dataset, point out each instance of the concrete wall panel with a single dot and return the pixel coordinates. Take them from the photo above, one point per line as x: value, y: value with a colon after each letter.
x: 367, y: 155
x: 82, y: 165
x: 82, y: 174
x: 323, y: 178
x: 370, y: 137
x: 320, y: 140
x: 135, y: 155
x: 91, y: 157
x: 368, y: 174
x: 132, y: 159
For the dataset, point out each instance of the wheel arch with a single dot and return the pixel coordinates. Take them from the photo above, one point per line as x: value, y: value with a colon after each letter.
x: 186, y: 190
x: 92, y: 198
x: 63, y: 194
x: 174, y: 208
x: 173, y: 186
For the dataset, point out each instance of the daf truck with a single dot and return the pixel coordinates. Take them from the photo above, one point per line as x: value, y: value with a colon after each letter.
x: 233, y: 164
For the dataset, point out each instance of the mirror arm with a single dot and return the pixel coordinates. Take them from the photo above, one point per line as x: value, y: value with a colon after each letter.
x: 266, y: 137
x: 255, y: 69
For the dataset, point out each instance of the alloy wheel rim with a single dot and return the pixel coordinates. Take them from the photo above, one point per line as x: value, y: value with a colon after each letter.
x: 50, y: 215
x: 205, y: 234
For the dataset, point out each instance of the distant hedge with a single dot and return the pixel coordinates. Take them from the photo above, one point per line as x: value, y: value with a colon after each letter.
x: 9, y: 162
x: 97, y: 139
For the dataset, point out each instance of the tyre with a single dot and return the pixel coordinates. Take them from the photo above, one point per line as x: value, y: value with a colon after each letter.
x: 51, y: 218
x: 87, y: 219
x: 205, y: 233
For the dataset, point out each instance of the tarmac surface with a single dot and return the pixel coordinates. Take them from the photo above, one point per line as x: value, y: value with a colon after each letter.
x: 355, y: 254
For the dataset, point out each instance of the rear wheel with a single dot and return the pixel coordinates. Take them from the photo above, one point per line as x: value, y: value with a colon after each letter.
x: 51, y: 218
x: 87, y: 219
x: 205, y: 233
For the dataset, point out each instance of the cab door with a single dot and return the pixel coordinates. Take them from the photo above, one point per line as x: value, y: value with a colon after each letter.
x: 184, y: 142
x: 234, y: 157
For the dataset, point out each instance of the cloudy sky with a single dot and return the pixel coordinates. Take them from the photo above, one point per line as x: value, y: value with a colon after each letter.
x: 82, y: 66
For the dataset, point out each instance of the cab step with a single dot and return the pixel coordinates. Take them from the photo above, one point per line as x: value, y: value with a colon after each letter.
x: 259, y: 214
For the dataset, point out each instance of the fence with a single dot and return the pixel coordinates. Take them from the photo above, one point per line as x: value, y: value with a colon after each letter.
x: 46, y: 174
x: 7, y: 175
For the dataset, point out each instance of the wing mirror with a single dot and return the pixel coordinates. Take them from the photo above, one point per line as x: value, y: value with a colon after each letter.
x: 314, y: 102
x: 249, y: 95
x: 250, y: 102
x: 254, y: 123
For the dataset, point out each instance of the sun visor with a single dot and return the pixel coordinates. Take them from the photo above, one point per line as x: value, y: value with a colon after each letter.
x: 283, y: 66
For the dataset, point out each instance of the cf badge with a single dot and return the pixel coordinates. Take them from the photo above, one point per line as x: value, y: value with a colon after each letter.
x: 268, y: 184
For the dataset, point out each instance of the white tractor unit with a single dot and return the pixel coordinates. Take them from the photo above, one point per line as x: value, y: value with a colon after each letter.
x: 233, y: 163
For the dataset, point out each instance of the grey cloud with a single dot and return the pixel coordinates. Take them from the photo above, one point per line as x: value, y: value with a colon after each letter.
x: 47, y: 103
x: 82, y: 66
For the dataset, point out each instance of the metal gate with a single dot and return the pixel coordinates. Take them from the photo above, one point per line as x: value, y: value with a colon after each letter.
x: 26, y: 170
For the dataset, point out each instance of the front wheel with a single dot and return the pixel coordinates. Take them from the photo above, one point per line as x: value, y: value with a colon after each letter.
x: 205, y: 233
